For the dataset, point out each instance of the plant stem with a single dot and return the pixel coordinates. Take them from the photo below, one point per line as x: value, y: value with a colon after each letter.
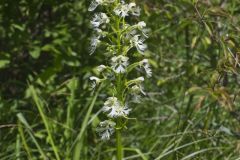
x: 119, y: 144
x: 119, y: 91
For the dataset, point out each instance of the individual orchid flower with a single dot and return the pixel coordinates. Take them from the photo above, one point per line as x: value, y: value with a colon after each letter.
x: 96, y: 81
x: 93, y: 44
x: 139, y: 43
x: 114, y: 109
x: 98, y: 19
x: 131, y: 33
x: 135, y: 10
x: 122, y: 10
x: 145, y: 64
x: 101, y: 68
x: 106, y: 129
x: 141, y: 25
x: 136, y: 89
x: 95, y: 3
x: 119, y: 63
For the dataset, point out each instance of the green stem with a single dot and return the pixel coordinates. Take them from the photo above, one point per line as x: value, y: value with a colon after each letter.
x: 119, y: 83
x: 119, y: 144
x: 119, y: 125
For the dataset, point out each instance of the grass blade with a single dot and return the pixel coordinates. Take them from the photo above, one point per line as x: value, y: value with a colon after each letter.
x: 198, y: 152
x: 45, y: 121
x: 30, y: 132
x: 78, y: 142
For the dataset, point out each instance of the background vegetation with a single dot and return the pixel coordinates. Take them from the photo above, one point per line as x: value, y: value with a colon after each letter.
x: 48, y: 110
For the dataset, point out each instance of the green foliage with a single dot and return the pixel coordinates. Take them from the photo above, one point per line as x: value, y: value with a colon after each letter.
x: 47, y: 108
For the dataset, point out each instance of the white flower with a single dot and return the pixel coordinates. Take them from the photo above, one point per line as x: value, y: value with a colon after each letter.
x: 93, y: 44
x: 114, y: 109
x: 111, y: 101
x: 106, y: 129
x: 136, y: 81
x: 136, y: 99
x: 136, y: 89
x: 145, y: 32
x: 119, y: 63
x: 138, y: 43
x: 145, y: 64
x: 95, y: 3
x: 98, y: 31
x: 139, y: 79
x: 122, y: 10
x: 98, y: 19
x: 96, y: 81
x: 95, y: 40
x: 135, y: 10
x: 131, y: 33
x: 101, y: 68
x: 141, y: 25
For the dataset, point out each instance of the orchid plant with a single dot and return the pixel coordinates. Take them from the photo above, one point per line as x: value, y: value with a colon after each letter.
x: 122, y: 39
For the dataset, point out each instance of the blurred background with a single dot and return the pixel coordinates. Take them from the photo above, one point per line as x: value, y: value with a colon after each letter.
x: 191, y: 110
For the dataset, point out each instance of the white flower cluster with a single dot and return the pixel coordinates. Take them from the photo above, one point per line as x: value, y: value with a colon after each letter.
x: 112, y: 31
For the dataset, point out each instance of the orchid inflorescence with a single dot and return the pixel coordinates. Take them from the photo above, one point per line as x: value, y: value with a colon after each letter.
x: 121, y: 41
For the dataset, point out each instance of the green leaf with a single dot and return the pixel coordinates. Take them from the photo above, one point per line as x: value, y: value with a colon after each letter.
x: 35, y: 53
x: 4, y: 63
x: 20, y: 28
